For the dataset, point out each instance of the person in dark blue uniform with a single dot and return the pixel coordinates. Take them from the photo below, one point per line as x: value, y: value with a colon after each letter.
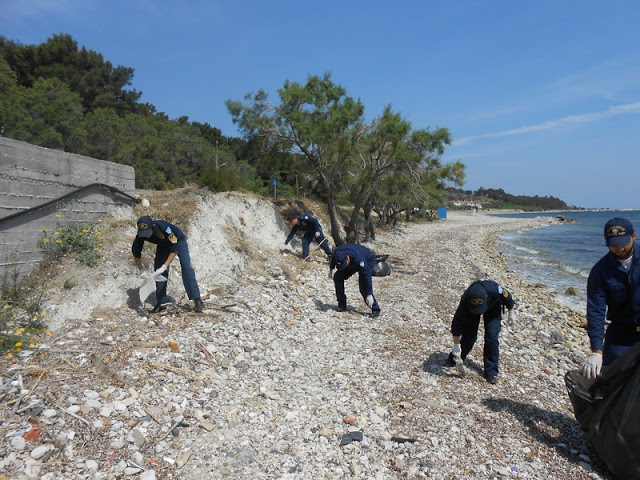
x: 170, y: 242
x: 488, y: 299
x: 348, y: 259
x: 312, y: 231
x: 613, y: 294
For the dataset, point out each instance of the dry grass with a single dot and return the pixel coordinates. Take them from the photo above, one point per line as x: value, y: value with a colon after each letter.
x: 175, y: 206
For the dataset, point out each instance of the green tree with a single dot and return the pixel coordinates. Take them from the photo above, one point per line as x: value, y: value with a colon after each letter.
x: 44, y: 115
x: 98, y: 83
x: 98, y: 135
x: 7, y: 76
x: 405, y: 160
x: 316, y: 120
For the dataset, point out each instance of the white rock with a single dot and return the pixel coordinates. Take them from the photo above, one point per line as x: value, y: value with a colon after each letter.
x: 91, y: 466
x: 40, y: 451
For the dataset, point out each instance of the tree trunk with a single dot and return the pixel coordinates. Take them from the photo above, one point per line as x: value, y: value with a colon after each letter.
x: 369, y: 228
x: 331, y: 206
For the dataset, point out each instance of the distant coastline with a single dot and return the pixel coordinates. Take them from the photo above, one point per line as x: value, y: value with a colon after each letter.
x: 494, y: 211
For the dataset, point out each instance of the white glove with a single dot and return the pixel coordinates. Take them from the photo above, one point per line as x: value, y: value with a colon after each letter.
x: 160, y: 271
x: 369, y: 301
x: 457, y: 351
x: 143, y: 273
x: 592, y: 365
x: 317, y: 234
x: 330, y: 273
x: 511, y: 319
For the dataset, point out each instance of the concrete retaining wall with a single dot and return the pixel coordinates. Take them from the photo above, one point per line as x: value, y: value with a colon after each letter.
x: 46, y: 189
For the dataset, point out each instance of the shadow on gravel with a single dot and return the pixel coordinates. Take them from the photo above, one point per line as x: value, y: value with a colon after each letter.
x: 435, y: 364
x: 324, y: 307
x: 133, y: 300
x: 399, y: 266
x: 327, y: 307
x: 557, y: 430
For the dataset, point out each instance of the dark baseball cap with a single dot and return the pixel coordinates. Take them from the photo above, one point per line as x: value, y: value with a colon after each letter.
x: 477, y: 299
x: 144, y: 226
x: 618, y: 231
x: 340, y: 260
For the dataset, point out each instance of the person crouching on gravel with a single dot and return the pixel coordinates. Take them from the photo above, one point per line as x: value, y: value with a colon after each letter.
x: 348, y: 259
x: 170, y: 242
x: 312, y: 231
x: 485, y: 298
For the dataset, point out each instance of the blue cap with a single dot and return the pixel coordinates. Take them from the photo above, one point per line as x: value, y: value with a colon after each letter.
x: 144, y: 226
x: 340, y: 259
x: 477, y: 299
x: 618, y: 231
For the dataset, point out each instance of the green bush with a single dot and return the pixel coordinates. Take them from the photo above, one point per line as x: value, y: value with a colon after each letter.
x: 21, y: 318
x: 78, y: 241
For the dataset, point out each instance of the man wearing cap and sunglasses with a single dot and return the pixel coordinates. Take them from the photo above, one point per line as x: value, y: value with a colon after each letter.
x: 170, y: 242
x: 488, y: 299
x: 613, y: 294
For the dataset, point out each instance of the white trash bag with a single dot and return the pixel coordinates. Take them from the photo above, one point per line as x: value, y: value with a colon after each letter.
x: 149, y: 285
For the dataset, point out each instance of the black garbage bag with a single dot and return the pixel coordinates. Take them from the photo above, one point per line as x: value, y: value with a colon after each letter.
x: 381, y: 267
x: 608, y: 411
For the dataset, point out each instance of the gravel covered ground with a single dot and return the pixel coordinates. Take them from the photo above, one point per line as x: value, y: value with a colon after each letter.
x: 272, y: 382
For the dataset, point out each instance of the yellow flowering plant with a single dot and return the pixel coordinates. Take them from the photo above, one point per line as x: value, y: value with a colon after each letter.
x: 79, y: 241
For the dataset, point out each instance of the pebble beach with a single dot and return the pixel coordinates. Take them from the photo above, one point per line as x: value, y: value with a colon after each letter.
x: 272, y: 382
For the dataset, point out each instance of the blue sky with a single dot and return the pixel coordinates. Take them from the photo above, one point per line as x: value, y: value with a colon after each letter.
x: 541, y: 97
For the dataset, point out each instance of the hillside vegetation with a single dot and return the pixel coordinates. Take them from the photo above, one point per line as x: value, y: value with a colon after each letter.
x: 313, y: 141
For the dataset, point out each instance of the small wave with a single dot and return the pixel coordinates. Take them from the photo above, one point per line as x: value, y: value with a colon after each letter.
x: 570, y: 269
x: 525, y: 249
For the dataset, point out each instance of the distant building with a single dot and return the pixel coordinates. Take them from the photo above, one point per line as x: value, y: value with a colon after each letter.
x: 466, y: 203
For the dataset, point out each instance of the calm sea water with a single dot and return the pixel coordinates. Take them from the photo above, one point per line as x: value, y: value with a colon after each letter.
x: 560, y: 256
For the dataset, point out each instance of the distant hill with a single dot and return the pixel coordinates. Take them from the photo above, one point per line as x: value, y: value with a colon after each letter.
x: 491, y: 198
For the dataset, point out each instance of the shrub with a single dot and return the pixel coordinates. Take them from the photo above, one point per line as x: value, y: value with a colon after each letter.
x: 78, y: 241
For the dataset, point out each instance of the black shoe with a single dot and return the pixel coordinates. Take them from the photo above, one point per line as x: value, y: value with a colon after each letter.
x: 158, y: 308
x: 375, y: 313
x: 199, y: 305
x: 492, y: 379
x: 168, y: 302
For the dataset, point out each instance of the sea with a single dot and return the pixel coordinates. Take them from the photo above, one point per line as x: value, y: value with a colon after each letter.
x: 560, y: 255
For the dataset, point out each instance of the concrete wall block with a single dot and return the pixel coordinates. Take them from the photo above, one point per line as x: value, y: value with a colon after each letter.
x: 32, y: 176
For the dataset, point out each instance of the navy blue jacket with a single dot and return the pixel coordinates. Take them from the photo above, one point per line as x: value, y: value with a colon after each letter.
x: 307, y: 224
x: 497, y: 297
x: 164, y: 234
x: 362, y: 260
x: 614, y: 294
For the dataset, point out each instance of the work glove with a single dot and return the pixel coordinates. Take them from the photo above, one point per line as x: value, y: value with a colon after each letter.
x: 369, y: 301
x: 457, y: 352
x: 143, y: 273
x: 160, y: 271
x: 317, y: 234
x: 511, y: 319
x: 592, y: 365
x: 457, y: 358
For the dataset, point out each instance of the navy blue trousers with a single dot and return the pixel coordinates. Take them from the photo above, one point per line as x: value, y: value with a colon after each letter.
x: 308, y: 238
x: 339, y: 279
x: 188, y: 273
x: 491, y: 353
